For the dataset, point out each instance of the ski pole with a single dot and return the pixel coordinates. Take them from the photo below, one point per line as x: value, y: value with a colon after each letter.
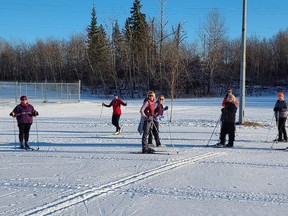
x: 270, y: 128
x: 14, y: 123
x: 216, y: 126
x: 101, y: 111
x: 37, y: 133
x: 277, y: 124
x: 169, y: 126
x: 177, y: 150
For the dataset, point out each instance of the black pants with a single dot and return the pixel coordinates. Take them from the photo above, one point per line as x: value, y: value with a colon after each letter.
x: 115, y: 121
x: 24, y: 132
x: 227, y: 128
x: 154, y: 132
x: 148, y: 124
x: 281, y: 128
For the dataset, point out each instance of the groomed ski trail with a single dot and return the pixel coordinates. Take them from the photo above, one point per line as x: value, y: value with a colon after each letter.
x: 103, y: 190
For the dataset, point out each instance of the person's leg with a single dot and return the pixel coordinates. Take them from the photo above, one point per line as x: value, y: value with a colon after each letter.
x: 156, y: 133
x: 26, y: 134
x: 231, y: 132
x: 282, y: 122
x: 21, y: 134
x: 279, y: 129
x: 146, y: 131
x: 115, y: 121
x: 223, y: 133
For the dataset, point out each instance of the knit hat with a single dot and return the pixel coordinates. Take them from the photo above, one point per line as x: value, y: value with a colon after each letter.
x: 22, y: 98
x: 281, y: 94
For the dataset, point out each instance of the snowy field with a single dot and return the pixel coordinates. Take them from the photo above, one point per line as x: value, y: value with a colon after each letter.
x: 82, y: 169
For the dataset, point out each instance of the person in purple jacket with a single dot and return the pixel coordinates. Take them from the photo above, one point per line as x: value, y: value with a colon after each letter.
x: 158, y: 115
x: 24, y: 113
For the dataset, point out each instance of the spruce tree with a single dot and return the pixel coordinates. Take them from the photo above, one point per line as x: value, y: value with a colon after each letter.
x: 97, y: 50
x: 136, y: 33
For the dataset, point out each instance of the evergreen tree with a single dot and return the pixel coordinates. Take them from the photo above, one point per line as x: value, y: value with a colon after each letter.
x: 97, y: 50
x: 136, y: 32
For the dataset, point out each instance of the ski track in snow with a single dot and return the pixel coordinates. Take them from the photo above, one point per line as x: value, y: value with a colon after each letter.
x: 66, y: 202
x: 208, y: 194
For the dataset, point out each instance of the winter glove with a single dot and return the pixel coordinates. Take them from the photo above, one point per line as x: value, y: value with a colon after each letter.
x: 275, y: 109
x: 124, y: 104
x: 11, y: 114
x: 166, y: 108
x: 35, y: 113
x: 149, y: 119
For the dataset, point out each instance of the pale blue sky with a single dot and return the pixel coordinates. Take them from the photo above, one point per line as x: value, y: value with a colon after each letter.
x: 32, y: 19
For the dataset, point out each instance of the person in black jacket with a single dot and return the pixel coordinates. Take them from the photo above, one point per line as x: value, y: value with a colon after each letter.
x: 280, y: 110
x: 228, y: 121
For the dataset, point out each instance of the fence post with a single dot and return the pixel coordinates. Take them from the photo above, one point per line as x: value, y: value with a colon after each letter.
x: 79, y: 91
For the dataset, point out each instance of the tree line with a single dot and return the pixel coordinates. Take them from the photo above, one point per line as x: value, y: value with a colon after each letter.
x: 145, y: 55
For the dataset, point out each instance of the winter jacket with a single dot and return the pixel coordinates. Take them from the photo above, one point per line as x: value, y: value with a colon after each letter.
x: 281, y: 108
x: 116, y: 104
x: 158, y: 112
x: 148, y: 108
x: 225, y: 100
x: 24, y: 113
x: 229, y: 112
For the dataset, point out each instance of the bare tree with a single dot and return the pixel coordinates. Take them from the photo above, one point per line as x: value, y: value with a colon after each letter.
x: 213, y: 33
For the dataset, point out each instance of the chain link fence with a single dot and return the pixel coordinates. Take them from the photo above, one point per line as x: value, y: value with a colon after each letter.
x: 41, y: 92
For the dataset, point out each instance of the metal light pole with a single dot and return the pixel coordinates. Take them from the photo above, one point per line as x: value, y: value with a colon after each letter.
x: 243, y: 66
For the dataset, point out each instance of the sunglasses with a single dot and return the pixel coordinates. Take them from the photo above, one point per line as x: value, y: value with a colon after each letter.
x: 161, y: 99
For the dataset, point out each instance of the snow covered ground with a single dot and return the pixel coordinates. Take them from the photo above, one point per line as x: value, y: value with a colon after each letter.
x: 81, y: 169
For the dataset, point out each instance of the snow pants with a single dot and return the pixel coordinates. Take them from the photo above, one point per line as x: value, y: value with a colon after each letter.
x: 115, y: 121
x: 148, y: 124
x: 24, y: 132
x: 154, y: 132
x: 282, y: 129
x: 227, y: 128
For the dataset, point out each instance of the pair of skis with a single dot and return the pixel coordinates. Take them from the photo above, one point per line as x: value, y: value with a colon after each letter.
x: 27, y: 148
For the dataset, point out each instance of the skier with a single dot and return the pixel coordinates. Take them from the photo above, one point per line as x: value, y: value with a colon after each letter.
x: 280, y: 110
x: 24, y: 113
x: 228, y: 121
x: 116, y: 104
x: 158, y: 115
x: 228, y: 92
x: 147, y: 113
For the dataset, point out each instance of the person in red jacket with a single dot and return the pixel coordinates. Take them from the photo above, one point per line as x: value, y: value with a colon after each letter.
x: 24, y: 113
x: 116, y: 105
x: 147, y: 113
x: 229, y: 92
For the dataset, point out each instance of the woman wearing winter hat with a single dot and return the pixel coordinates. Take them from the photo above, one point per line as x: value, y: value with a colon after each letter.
x: 24, y: 113
x: 280, y: 110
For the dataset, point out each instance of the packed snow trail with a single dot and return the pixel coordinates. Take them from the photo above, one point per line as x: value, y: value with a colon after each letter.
x: 83, y: 196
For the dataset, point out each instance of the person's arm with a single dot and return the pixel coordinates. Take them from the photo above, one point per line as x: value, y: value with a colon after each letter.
x: 14, y: 112
x: 103, y: 104
x: 122, y: 102
x: 144, y: 106
x: 276, y: 108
